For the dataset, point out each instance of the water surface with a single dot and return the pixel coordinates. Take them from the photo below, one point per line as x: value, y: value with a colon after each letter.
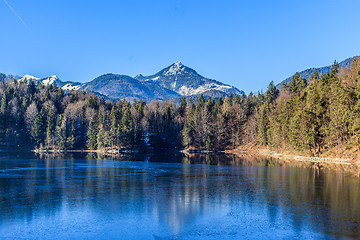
x: 165, y: 197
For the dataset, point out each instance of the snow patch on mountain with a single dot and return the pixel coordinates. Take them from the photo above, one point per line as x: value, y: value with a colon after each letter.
x: 71, y: 86
x: 174, y: 84
x: 50, y: 80
x: 188, y: 91
x: 155, y: 79
x: 66, y: 86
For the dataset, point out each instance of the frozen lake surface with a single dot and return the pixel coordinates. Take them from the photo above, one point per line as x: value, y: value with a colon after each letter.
x: 86, y: 197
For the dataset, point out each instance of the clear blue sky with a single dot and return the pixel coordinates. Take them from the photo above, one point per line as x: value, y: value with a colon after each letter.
x: 242, y: 43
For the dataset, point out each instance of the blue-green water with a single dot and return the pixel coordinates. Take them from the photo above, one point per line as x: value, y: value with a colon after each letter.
x: 161, y: 197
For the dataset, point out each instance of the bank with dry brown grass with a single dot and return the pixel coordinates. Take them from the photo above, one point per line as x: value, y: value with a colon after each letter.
x: 348, y: 162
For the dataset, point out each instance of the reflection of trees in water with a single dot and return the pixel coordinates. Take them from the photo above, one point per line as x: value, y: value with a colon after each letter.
x: 327, y: 201
x: 324, y: 199
x: 177, y: 194
x: 229, y: 160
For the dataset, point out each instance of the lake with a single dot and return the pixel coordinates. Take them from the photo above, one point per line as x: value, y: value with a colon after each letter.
x: 169, y: 196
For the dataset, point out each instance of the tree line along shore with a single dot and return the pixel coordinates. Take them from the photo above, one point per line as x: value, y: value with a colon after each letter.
x: 316, y: 116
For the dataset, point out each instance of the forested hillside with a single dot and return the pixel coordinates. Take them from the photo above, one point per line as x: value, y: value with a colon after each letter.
x: 314, y: 117
x: 317, y: 117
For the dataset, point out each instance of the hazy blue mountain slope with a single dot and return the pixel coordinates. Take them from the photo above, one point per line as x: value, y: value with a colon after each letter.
x: 117, y: 86
x: 322, y: 70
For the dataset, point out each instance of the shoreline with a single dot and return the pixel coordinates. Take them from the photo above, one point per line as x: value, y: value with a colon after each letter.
x: 65, y: 151
x: 347, y: 165
x: 102, y: 151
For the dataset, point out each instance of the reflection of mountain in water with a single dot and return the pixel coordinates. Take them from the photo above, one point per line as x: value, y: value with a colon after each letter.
x: 180, y: 198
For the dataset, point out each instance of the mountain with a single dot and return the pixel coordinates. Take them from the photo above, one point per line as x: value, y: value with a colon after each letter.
x: 67, y: 86
x: 322, y: 70
x: 187, y: 82
x: 27, y: 78
x: 117, y: 86
x: 172, y: 82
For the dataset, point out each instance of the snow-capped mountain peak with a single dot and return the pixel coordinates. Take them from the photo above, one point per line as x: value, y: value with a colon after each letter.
x: 178, y: 63
x: 176, y: 68
x: 187, y: 82
x: 27, y: 78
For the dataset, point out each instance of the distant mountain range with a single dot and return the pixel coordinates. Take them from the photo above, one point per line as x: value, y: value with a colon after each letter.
x: 67, y: 86
x: 172, y: 82
x: 306, y: 74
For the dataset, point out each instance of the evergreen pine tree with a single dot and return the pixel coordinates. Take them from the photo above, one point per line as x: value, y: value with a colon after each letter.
x: 187, y: 134
x: 127, y: 126
x: 114, y: 133
x: 297, y: 83
x: 272, y: 92
x: 100, y: 139
x: 182, y: 107
x: 38, y: 128
x: 91, y: 141
x: 60, y: 134
x: 263, y: 126
x: 71, y: 139
x: 50, y: 123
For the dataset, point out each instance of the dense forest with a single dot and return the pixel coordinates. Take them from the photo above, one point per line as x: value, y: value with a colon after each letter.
x: 314, y: 115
